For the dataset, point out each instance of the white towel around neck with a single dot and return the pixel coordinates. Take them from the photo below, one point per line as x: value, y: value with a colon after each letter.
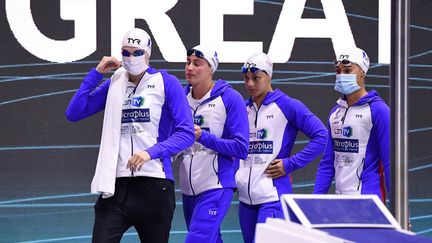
x: 106, y: 167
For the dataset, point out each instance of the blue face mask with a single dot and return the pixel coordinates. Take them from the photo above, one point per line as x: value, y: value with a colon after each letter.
x: 346, y: 83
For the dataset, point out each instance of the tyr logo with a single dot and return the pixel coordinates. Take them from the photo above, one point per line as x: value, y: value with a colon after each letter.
x: 132, y: 40
x: 211, y: 105
x: 151, y: 86
x: 344, y: 57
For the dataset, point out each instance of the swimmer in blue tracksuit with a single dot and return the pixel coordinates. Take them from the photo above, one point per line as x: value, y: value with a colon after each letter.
x: 208, y: 167
x: 274, y: 120
x: 357, y: 153
x: 146, y: 122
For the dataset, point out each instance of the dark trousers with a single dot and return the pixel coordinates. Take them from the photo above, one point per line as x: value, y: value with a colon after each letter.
x: 143, y: 202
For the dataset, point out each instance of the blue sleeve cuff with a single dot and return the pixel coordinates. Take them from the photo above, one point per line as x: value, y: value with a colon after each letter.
x: 287, y: 165
x: 95, y: 74
x: 204, y: 137
x: 154, y: 152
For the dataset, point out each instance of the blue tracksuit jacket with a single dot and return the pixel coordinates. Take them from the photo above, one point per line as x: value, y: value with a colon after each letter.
x: 212, y: 161
x: 357, y: 152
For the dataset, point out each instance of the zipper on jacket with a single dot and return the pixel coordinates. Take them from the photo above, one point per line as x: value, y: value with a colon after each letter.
x: 130, y: 132
x: 163, y: 168
x: 132, y: 153
x: 250, y: 170
x: 190, y: 165
x: 190, y: 175
x: 214, y: 169
x: 194, y: 113
x: 250, y: 175
x: 343, y: 118
x: 256, y: 116
x: 359, y: 176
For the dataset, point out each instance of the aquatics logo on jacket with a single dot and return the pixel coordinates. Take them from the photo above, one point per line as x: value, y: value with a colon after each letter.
x: 135, y: 115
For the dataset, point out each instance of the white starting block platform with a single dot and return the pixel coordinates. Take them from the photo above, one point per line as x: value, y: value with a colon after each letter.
x: 334, y: 218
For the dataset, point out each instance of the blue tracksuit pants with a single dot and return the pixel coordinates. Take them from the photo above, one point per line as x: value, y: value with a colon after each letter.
x: 204, y: 214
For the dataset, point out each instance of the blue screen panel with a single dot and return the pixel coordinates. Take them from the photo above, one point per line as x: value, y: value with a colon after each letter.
x: 342, y: 211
